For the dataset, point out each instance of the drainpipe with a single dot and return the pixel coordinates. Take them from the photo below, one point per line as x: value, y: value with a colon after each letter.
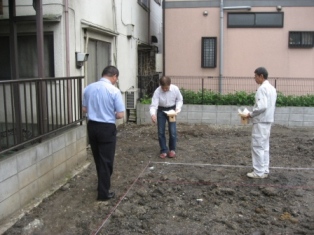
x: 67, y: 57
x: 148, y: 31
x: 43, y: 113
x: 86, y: 36
x: 15, y: 71
x: 221, y: 51
x: 114, y: 10
x: 163, y: 39
x: 115, y: 54
x: 67, y: 43
x: 221, y: 66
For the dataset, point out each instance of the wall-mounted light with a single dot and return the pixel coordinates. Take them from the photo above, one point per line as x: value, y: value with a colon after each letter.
x: 205, y: 13
x: 279, y: 8
x: 80, y: 58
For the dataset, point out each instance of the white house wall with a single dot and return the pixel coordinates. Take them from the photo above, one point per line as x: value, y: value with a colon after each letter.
x: 129, y: 12
x: 113, y: 16
x: 156, y: 24
x: 123, y: 48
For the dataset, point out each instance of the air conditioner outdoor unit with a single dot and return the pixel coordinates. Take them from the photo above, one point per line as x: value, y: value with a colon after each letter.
x: 131, y: 97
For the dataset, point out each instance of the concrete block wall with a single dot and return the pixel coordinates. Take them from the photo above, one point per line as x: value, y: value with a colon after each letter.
x: 30, y: 172
x: 228, y: 115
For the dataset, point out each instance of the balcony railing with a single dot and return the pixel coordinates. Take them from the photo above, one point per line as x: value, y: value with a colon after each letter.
x: 32, y: 109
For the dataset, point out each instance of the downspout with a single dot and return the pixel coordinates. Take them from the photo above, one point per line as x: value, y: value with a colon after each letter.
x: 163, y: 38
x: 15, y: 70
x: 148, y: 18
x: 221, y: 66
x: 221, y: 51
x: 86, y: 36
x: 67, y: 41
x: 115, y: 54
x: 43, y: 113
x: 67, y: 58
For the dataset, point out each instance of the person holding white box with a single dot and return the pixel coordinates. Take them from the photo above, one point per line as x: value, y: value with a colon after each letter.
x: 166, y: 97
x: 262, y: 118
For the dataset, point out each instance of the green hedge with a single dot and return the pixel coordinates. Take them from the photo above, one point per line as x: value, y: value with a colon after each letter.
x: 239, y: 98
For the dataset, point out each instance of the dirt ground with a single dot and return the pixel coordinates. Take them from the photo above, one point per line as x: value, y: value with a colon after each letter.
x: 203, y: 191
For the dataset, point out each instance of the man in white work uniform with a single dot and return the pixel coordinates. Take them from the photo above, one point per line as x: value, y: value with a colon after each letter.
x: 262, y: 118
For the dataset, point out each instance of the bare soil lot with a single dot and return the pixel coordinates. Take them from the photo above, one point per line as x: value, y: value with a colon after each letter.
x: 203, y: 191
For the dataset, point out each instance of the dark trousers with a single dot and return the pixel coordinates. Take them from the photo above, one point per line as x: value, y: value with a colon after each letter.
x: 102, y: 139
x: 162, y: 119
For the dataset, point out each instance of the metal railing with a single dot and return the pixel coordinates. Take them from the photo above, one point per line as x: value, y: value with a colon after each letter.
x: 147, y: 85
x: 32, y: 109
x: 286, y: 86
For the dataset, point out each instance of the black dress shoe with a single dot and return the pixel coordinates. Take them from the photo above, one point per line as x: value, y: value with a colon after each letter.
x: 109, y: 196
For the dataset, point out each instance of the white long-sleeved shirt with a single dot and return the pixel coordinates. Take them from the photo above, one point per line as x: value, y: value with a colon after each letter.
x: 166, y: 99
x: 265, y: 103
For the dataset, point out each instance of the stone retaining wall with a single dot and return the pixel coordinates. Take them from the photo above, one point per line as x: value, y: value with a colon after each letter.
x: 228, y: 115
x: 29, y: 172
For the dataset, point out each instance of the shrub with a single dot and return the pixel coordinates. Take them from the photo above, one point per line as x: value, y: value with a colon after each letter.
x: 239, y: 98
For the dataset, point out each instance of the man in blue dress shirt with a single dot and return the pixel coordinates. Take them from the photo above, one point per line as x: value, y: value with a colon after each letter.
x: 103, y: 103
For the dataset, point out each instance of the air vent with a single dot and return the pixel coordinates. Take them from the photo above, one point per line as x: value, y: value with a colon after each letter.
x: 131, y: 98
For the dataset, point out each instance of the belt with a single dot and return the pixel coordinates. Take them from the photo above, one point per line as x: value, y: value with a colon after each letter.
x: 104, y: 123
x: 166, y: 108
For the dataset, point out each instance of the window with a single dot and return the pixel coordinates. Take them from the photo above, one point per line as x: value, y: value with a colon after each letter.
x: 27, y: 56
x: 301, y: 39
x: 255, y: 20
x: 144, y: 4
x: 209, y: 52
x: 98, y: 59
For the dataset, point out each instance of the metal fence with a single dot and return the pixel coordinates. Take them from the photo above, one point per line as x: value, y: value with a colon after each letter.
x: 34, y: 108
x: 147, y: 85
x: 227, y: 85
